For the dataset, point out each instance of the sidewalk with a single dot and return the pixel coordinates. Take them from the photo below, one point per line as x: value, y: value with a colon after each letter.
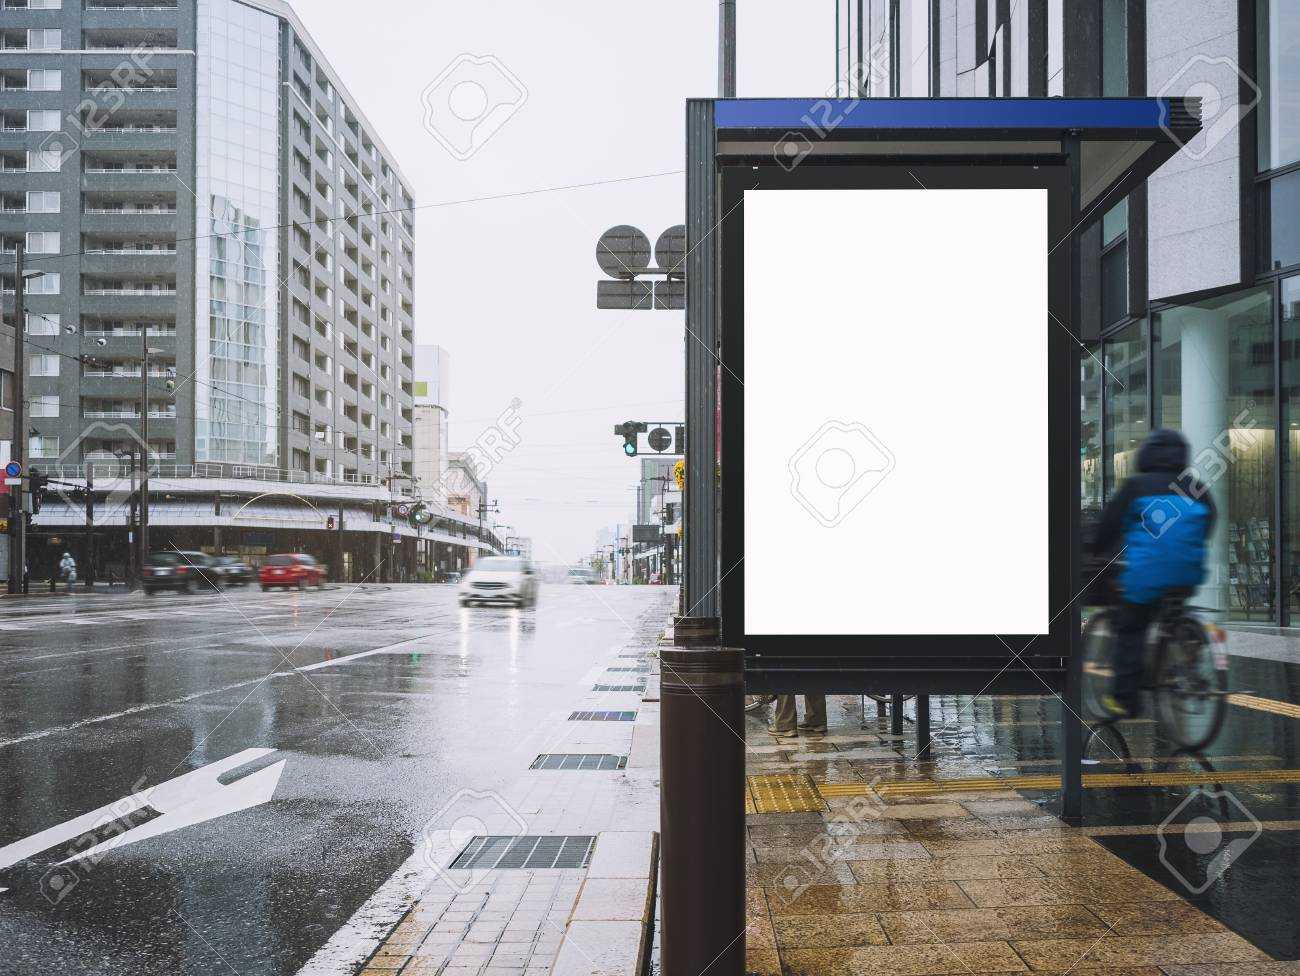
x: 848, y: 875
x: 510, y: 916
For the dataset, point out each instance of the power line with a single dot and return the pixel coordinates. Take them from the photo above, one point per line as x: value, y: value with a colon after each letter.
x: 33, y: 259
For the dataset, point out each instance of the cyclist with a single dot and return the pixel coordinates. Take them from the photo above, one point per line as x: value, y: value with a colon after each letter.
x: 1162, y: 517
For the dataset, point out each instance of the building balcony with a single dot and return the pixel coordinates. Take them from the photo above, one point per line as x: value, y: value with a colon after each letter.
x: 130, y: 38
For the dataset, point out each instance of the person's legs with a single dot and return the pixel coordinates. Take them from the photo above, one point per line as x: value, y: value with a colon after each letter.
x: 783, y: 719
x: 814, y: 713
x: 1129, y: 660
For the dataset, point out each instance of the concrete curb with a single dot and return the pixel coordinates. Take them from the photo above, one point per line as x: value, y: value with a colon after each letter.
x: 611, y: 930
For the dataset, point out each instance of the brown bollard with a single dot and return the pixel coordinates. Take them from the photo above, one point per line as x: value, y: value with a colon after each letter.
x: 702, y: 796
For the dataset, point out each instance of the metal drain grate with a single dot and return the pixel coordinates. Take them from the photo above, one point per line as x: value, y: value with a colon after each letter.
x: 578, y: 760
x: 602, y: 716
x: 637, y: 670
x: 528, y: 851
x: 618, y: 687
x: 635, y: 657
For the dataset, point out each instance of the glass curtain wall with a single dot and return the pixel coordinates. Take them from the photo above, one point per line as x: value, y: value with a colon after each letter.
x: 1290, y: 328
x: 1213, y: 371
x: 237, y: 252
x: 1127, y: 423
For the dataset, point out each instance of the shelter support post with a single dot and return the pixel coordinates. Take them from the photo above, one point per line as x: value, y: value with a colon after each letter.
x: 702, y: 847
x: 922, y: 726
x: 1072, y: 704
x: 896, y: 715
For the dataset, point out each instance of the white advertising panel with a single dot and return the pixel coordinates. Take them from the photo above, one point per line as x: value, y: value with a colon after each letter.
x: 896, y: 397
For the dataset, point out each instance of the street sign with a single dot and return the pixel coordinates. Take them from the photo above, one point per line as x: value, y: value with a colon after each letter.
x: 13, y: 481
x: 623, y: 251
x: 646, y: 533
x: 403, y: 511
x: 13, y: 469
x: 659, y: 440
x: 397, y: 537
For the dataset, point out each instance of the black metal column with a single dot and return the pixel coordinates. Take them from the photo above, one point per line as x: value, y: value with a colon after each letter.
x: 702, y: 785
x: 1072, y: 704
x: 922, y: 726
x: 896, y: 715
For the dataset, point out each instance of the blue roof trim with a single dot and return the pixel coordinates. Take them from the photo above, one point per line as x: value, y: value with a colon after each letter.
x: 945, y: 113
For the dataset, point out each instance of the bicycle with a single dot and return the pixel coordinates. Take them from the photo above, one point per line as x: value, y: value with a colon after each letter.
x: 1186, y: 670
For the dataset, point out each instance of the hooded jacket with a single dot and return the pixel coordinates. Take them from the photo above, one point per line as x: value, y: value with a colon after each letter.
x: 1162, y: 516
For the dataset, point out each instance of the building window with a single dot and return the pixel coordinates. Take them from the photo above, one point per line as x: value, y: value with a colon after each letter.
x: 1114, y: 264
x: 43, y: 121
x: 41, y: 446
x: 48, y: 159
x: 1279, y: 231
x: 43, y: 365
x: 46, y: 284
x: 42, y: 242
x: 44, y: 79
x: 42, y: 202
x: 1290, y: 326
x: 1214, y: 381
x: 44, y: 40
x: 1125, y: 356
x: 42, y: 324
x: 1089, y: 434
x: 43, y: 406
x: 6, y: 390
x: 1278, y: 62
x: 1114, y: 48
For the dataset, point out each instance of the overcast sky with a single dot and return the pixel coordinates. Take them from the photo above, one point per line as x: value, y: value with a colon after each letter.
x: 508, y: 287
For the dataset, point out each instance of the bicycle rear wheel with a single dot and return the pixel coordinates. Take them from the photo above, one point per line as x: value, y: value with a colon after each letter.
x: 1191, y: 684
x: 1098, y: 643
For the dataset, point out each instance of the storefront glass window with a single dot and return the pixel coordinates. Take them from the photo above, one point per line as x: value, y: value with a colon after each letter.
x: 1290, y: 319
x: 1214, y: 382
x: 1126, y: 402
x: 1278, y: 57
x: 1090, y: 435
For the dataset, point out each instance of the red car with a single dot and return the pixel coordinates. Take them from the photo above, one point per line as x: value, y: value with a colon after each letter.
x: 294, y: 570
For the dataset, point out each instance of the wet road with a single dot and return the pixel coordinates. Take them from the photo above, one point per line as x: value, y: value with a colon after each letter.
x: 319, y: 732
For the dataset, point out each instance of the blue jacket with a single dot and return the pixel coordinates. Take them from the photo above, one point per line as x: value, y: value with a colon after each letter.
x: 1162, y: 516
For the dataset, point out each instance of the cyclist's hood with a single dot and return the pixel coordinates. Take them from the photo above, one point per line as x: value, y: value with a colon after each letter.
x: 1163, y: 450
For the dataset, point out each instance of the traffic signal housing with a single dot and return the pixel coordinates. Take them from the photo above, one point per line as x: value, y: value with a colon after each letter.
x: 629, y: 431
x: 38, y: 484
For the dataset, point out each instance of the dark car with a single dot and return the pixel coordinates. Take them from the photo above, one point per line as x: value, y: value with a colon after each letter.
x: 181, y: 571
x: 291, y: 570
x: 234, y: 571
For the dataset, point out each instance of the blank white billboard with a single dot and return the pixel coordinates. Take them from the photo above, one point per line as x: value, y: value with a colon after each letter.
x: 896, y: 390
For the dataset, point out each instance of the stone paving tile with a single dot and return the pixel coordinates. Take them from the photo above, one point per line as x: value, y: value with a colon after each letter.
x: 959, y: 868
x: 856, y: 898
x: 827, y: 931
x: 983, y: 924
x: 1061, y: 954
x: 962, y: 958
x: 1067, y: 891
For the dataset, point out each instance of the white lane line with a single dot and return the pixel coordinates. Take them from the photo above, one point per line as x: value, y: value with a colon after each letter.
x: 134, y: 710
x: 349, y: 658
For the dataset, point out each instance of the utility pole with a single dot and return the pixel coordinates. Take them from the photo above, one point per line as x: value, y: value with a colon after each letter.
x: 18, y: 517
x: 726, y: 48
x: 90, y: 525
x: 144, y: 447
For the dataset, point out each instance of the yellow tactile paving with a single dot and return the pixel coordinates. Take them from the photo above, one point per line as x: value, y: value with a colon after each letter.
x: 925, y: 787
x: 1288, y: 709
x: 784, y: 793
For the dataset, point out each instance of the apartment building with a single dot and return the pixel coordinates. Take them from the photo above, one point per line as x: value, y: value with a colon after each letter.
x: 204, y: 196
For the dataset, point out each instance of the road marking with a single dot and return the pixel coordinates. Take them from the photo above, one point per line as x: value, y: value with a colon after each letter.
x: 187, y: 799
x: 1288, y: 709
x: 1092, y: 781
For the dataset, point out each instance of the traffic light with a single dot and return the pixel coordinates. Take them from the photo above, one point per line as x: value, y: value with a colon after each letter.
x: 329, y: 523
x: 420, y: 514
x: 37, y: 483
x: 629, y: 431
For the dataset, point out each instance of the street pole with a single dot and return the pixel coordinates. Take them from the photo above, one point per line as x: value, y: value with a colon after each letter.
x: 18, y: 518
x: 144, y: 447
x: 727, y: 48
x: 90, y: 525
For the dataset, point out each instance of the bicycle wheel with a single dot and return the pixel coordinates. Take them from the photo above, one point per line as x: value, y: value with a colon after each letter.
x: 1191, y: 684
x: 1098, y: 642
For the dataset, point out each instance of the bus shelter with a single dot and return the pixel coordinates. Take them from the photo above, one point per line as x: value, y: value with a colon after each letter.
x: 883, y: 456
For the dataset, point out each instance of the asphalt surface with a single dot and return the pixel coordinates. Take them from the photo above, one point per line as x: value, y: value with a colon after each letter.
x: 250, y: 866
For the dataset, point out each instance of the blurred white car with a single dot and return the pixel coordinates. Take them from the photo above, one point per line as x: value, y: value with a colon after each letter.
x: 501, y: 580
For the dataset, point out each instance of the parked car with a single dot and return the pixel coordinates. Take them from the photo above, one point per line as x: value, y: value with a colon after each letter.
x: 233, y: 570
x: 296, y: 570
x: 180, y: 571
x: 581, y: 576
x: 500, y: 580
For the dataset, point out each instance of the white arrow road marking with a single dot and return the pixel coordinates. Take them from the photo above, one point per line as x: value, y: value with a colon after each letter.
x: 187, y: 799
